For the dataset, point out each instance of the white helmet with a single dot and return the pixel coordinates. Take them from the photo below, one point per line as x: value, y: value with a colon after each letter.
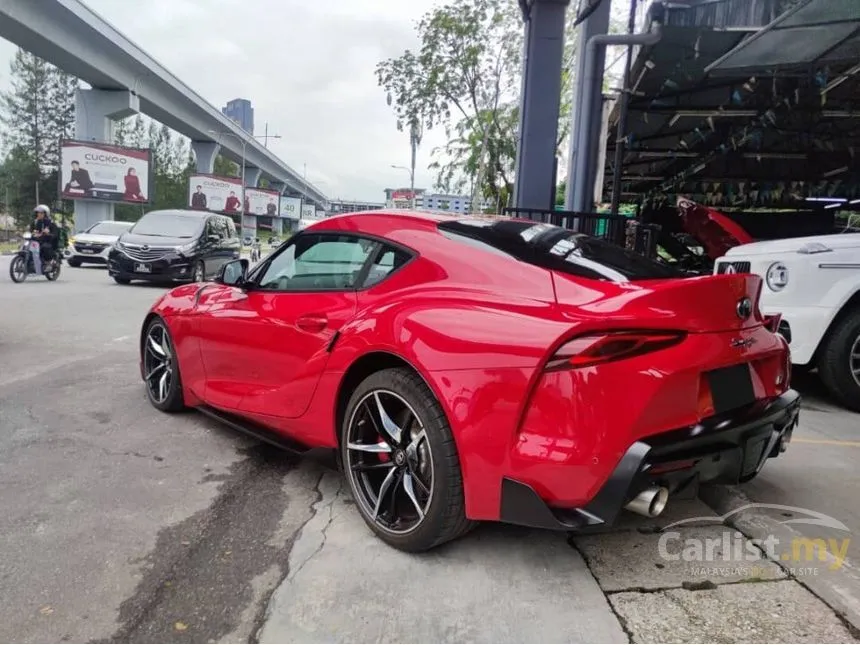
x: 41, y: 208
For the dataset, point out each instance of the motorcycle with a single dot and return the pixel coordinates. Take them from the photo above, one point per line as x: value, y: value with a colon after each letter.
x: 22, y: 263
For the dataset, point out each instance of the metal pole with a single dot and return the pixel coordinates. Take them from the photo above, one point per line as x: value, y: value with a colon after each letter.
x: 242, y: 216
x: 582, y: 174
x: 622, y: 116
x: 266, y: 136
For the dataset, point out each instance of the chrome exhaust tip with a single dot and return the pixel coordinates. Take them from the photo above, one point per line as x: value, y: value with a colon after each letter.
x: 650, y: 502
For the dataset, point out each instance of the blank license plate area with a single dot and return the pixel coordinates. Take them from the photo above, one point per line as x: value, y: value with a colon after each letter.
x: 142, y: 268
x: 731, y: 387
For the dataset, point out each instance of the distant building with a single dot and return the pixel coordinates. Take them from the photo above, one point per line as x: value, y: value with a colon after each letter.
x: 446, y: 203
x: 241, y: 112
x: 340, y: 206
x: 402, y: 197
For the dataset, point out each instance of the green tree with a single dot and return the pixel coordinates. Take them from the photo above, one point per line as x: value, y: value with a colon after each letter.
x: 465, y: 76
x: 224, y: 167
x: 19, y: 175
x: 36, y: 112
x: 464, y: 72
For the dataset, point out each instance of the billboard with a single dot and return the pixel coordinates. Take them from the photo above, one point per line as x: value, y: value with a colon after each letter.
x: 214, y: 193
x: 101, y: 171
x: 260, y: 201
x: 291, y: 207
x: 309, y: 211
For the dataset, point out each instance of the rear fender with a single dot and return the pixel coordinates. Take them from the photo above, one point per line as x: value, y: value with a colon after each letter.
x: 477, y: 359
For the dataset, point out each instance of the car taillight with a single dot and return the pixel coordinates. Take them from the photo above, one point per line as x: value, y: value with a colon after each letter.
x: 594, y: 349
x: 705, y: 404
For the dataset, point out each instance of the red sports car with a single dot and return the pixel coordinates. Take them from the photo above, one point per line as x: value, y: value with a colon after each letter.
x: 474, y: 369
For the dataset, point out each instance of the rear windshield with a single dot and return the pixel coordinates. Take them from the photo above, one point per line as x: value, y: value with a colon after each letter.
x: 168, y: 225
x: 556, y: 248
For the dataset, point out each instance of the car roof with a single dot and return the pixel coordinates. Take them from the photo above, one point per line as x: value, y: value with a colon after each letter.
x: 181, y: 211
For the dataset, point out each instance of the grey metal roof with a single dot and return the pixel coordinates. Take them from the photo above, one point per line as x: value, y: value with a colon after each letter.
x: 738, y: 138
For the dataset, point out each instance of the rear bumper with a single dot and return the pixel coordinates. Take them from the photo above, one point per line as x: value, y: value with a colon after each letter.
x: 726, y: 449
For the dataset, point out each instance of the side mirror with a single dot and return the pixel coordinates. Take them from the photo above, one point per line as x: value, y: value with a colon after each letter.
x: 234, y: 273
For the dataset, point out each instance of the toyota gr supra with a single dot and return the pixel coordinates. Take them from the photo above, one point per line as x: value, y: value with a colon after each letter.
x: 475, y: 369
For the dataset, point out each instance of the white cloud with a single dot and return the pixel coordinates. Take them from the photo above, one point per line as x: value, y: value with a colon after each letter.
x: 307, y: 67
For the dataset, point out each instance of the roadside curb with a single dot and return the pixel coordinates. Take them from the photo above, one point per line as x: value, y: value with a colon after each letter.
x: 725, y: 500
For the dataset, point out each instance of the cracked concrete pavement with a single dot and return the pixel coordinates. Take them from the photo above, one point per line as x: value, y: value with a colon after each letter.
x: 120, y: 524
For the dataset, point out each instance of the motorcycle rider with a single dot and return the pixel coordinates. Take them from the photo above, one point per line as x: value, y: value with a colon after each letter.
x: 43, y: 231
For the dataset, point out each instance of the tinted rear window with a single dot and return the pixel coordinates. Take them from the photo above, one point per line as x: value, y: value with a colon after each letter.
x: 556, y: 248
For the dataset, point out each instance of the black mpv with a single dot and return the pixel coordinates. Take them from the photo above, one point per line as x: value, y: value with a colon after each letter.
x: 174, y: 246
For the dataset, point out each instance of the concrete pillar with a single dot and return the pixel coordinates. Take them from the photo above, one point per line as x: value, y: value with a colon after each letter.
x: 205, y: 153
x: 252, y: 176
x: 596, y: 24
x: 539, y: 103
x: 95, y: 113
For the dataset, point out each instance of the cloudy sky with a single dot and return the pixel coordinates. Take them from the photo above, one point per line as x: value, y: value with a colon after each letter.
x: 307, y: 66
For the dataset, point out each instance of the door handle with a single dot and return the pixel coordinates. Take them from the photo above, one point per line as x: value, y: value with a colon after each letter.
x: 312, y: 323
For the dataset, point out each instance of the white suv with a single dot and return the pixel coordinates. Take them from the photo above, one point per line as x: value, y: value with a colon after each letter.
x: 814, y: 284
x: 93, y: 245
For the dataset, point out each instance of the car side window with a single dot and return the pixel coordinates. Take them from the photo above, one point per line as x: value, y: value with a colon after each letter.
x: 221, y: 225
x: 317, y: 262
x: 231, y: 228
x: 388, y: 259
x: 212, y: 228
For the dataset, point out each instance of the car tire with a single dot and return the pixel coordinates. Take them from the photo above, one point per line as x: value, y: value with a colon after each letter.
x: 412, y: 515
x: 74, y: 263
x: 161, y: 376
x: 840, y: 356
x: 199, y: 272
x: 120, y: 280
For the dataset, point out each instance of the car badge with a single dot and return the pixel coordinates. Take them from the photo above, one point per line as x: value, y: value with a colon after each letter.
x: 743, y: 342
x: 744, y: 308
x: 730, y: 269
x: 145, y: 247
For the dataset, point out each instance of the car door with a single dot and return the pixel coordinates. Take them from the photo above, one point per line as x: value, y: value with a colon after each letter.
x: 264, y: 347
x: 223, y: 250
x: 209, y: 243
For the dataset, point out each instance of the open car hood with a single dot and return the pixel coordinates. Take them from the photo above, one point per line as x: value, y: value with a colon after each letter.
x: 713, y: 230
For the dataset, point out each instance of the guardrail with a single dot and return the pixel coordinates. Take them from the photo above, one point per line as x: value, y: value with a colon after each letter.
x: 618, y: 229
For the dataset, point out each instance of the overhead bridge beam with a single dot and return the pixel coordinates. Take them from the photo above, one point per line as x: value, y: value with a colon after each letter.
x: 71, y: 36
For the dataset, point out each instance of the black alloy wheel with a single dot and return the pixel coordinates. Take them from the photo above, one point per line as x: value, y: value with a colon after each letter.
x: 161, y: 368
x: 401, y: 462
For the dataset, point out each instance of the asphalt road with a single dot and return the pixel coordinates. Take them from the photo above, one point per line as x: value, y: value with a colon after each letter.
x: 119, y: 523
x: 122, y: 524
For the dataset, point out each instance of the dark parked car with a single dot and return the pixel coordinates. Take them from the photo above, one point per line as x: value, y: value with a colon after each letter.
x: 174, y: 246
